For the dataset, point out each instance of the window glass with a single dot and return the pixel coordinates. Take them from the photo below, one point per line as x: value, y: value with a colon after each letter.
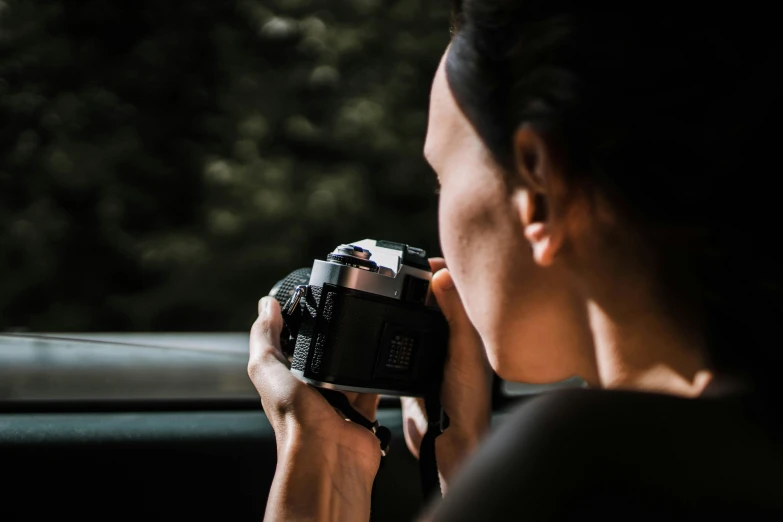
x: 120, y: 368
x: 162, y: 165
x: 520, y: 389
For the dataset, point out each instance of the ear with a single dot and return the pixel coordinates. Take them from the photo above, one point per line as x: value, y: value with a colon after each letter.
x: 534, y: 196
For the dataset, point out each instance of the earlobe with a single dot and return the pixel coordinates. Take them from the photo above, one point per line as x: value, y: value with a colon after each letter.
x: 543, y: 242
x: 538, y: 229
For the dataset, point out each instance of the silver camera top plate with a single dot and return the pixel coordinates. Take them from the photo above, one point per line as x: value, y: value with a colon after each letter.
x: 388, y: 281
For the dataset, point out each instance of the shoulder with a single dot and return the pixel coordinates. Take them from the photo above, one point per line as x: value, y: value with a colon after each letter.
x: 621, y: 455
x: 590, y: 410
x: 556, y: 454
x: 580, y: 417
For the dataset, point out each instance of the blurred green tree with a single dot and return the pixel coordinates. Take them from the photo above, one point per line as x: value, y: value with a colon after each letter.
x: 161, y: 166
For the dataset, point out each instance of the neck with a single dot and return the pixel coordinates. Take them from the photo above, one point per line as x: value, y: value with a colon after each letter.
x: 646, y: 351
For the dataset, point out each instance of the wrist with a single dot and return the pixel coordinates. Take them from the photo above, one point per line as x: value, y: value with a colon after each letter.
x: 330, y: 455
x: 465, y: 434
x: 339, y: 460
x: 319, y: 481
x: 453, y: 448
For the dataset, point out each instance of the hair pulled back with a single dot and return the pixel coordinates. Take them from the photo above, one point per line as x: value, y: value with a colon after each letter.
x: 672, y: 116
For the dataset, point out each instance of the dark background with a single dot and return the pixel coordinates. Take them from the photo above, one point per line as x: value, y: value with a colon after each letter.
x: 163, y: 164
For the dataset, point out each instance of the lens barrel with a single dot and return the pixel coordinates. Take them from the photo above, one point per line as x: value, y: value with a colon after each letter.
x: 284, y: 289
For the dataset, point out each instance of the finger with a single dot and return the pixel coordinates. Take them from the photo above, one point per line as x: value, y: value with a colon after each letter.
x: 281, y: 393
x: 414, y: 424
x: 466, y: 353
x: 364, y: 403
x: 449, y: 300
x: 367, y: 405
x: 265, y: 333
x: 267, y: 367
x: 437, y: 263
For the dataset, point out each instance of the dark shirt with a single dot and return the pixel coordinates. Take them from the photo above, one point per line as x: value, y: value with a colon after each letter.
x: 598, y: 455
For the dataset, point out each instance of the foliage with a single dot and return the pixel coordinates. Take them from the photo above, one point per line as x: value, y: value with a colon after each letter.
x: 162, y: 165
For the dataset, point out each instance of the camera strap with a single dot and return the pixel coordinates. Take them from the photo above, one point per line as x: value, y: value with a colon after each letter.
x: 340, y: 402
x: 437, y: 422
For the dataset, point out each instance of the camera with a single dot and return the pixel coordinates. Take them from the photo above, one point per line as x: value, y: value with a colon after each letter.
x: 365, y: 320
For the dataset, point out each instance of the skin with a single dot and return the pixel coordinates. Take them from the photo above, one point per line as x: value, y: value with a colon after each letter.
x: 547, y: 295
x: 532, y: 322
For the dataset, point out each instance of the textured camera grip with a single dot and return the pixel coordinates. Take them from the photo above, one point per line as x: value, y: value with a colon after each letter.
x: 284, y: 288
x: 309, y: 305
x: 331, y: 304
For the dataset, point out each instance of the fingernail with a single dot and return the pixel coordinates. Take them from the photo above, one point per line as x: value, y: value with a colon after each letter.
x: 445, y: 280
x: 265, y: 305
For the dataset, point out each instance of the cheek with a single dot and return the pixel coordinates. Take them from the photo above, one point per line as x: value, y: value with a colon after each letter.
x: 476, y: 231
x: 524, y: 314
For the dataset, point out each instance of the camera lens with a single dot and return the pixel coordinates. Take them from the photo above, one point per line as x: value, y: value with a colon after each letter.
x: 284, y: 288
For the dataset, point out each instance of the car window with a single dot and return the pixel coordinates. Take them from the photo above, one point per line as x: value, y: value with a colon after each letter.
x: 521, y: 389
x: 162, y: 166
x: 57, y: 368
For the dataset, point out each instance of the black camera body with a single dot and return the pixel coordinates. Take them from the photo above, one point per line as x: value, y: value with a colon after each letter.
x: 365, y: 320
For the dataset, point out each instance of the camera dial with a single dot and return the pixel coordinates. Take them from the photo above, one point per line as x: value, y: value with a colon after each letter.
x: 355, y: 251
x: 354, y: 256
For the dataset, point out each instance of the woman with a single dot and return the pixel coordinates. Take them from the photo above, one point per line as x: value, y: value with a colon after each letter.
x: 603, y: 213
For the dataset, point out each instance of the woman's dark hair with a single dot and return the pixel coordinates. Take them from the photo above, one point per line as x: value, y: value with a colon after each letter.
x: 670, y: 115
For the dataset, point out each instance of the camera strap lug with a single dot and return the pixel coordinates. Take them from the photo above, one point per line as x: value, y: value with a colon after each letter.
x: 293, y: 301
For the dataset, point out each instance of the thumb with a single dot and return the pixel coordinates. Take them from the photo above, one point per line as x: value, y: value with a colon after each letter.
x: 466, y: 361
x: 449, y: 301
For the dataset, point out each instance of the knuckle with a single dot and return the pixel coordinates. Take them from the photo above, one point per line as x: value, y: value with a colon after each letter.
x: 261, y: 333
x: 284, y: 407
x: 257, y: 331
x: 253, y: 367
x: 260, y: 326
x: 259, y: 360
x: 257, y: 363
x: 288, y: 406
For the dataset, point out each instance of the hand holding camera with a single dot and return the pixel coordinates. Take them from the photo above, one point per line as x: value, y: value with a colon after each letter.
x: 318, y: 452
x: 365, y: 320
x: 351, y: 324
x: 466, y: 392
